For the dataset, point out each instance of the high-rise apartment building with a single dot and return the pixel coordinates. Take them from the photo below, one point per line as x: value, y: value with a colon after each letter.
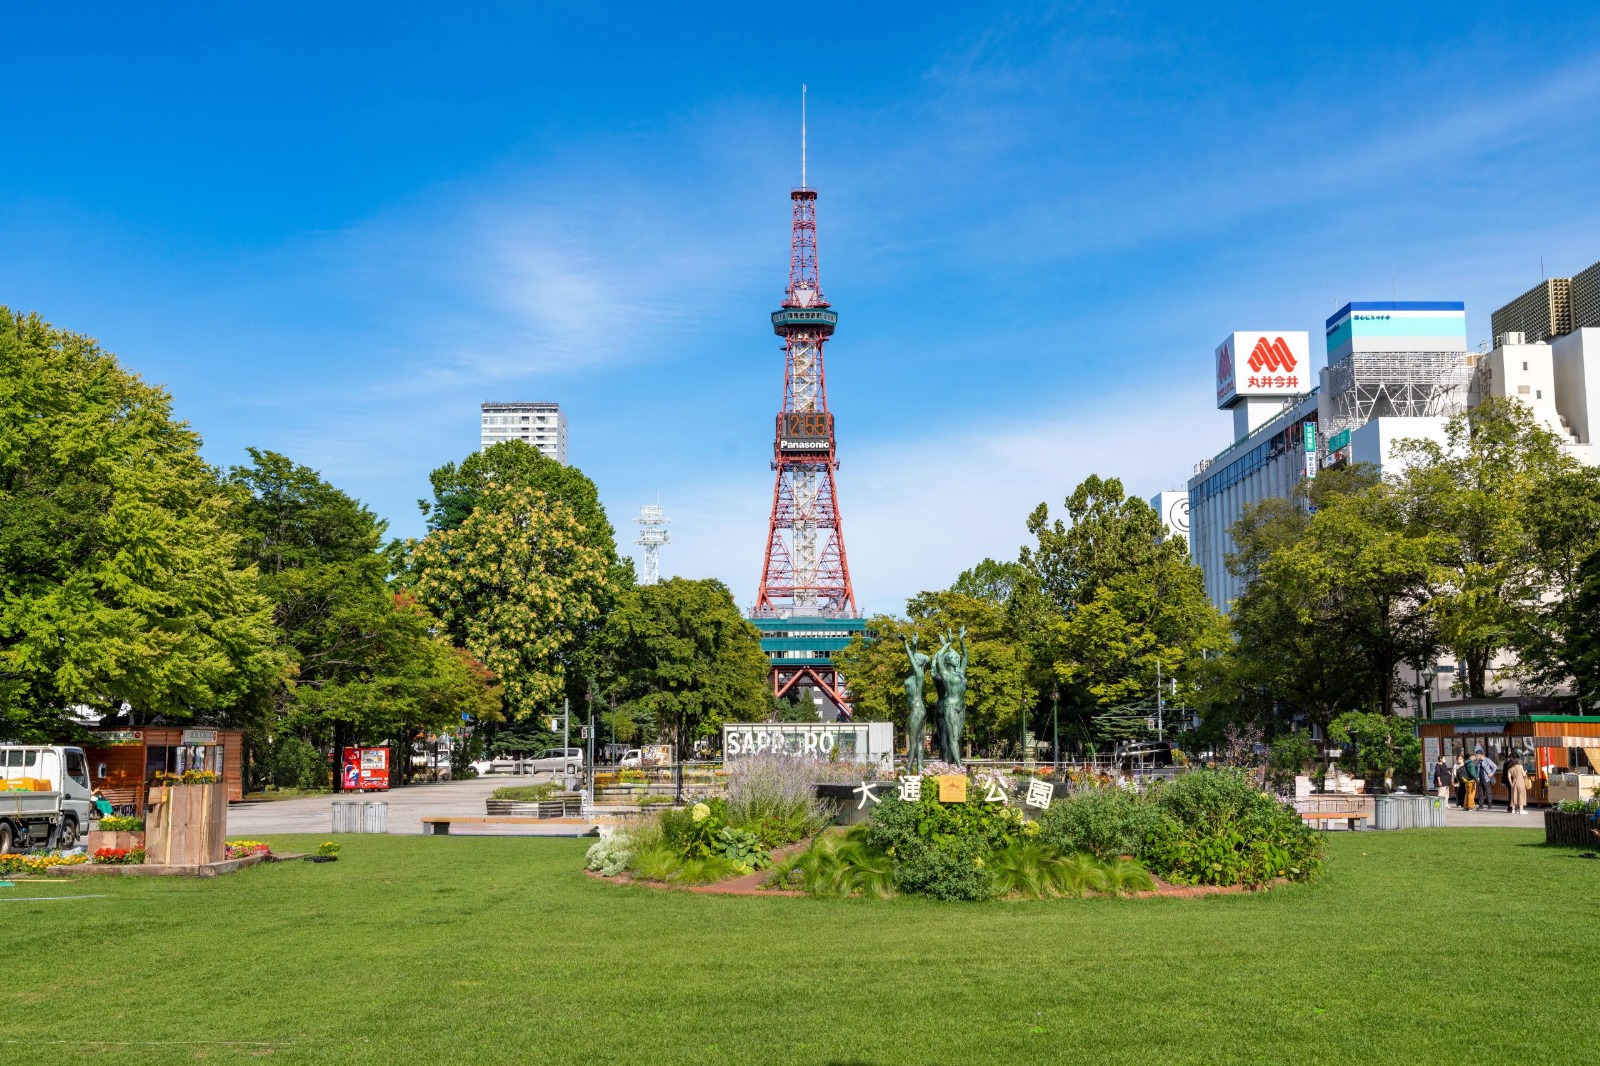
x: 1586, y: 298
x: 541, y: 423
x: 1542, y: 312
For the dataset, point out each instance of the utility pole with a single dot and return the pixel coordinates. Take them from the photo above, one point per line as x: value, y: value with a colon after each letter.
x: 1161, y: 732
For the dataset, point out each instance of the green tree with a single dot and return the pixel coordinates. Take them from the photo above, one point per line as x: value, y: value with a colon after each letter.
x: 1295, y: 654
x: 118, y: 574
x: 1110, y: 602
x: 512, y: 464
x: 364, y: 663
x: 520, y: 584
x: 1382, y: 746
x: 874, y: 665
x: 1553, y: 650
x: 1477, y: 494
x: 680, y: 656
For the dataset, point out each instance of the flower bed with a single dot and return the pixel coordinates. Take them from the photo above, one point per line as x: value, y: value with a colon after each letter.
x: 118, y: 856
x: 38, y: 864
x: 239, y: 849
x: 1206, y: 831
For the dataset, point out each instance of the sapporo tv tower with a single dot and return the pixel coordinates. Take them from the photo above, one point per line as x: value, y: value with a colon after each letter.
x: 805, y: 606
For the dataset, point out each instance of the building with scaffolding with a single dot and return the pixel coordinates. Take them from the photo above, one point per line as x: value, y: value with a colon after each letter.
x: 1395, y: 370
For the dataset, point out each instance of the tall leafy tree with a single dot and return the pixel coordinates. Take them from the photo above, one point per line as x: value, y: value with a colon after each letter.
x: 514, y: 464
x: 364, y: 660
x: 1295, y: 655
x: 1477, y: 494
x: 520, y: 584
x: 119, y: 579
x: 679, y: 657
x: 1111, y: 603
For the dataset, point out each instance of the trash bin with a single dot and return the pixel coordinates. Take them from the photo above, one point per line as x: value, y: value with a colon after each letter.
x: 1404, y: 811
x: 360, y: 816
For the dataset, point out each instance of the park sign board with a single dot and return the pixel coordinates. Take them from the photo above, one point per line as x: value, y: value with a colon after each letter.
x: 844, y: 741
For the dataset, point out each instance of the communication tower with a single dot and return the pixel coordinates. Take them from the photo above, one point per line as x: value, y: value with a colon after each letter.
x: 652, y: 535
x: 805, y: 605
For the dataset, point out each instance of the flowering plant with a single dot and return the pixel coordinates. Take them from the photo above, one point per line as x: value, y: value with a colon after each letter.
x: 239, y: 849
x: 118, y: 857
x: 37, y: 864
x: 121, y: 823
x: 328, y: 849
x: 188, y: 777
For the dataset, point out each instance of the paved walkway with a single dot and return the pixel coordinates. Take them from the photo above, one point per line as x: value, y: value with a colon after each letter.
x: 314, y: 814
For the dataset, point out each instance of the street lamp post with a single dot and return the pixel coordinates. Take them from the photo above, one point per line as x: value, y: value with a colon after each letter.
x: 1055, y: 727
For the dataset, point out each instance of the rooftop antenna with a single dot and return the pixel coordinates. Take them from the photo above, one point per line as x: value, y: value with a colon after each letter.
x: 803, y: 136
x: 652, y: 535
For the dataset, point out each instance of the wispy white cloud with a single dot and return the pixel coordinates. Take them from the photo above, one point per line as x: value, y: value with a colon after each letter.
x: 920, y: 510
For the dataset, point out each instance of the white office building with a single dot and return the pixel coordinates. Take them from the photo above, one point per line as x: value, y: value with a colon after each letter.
x: 541, y: 423
x: 1395, y: 370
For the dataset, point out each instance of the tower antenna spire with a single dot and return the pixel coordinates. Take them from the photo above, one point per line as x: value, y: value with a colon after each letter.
x: 802, y: 135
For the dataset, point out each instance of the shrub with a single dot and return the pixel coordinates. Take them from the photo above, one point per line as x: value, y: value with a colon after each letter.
x: 121, y: 823
x: 526, y: 793
x: 1123, y: 875
x: 1291, y: 754
x: 707, y: 870
x: 293, y: 763
x: 836, y: 865
x: 1588, y: 807
x: 656, y: 864
x: 1222, y: 830
x: 1026, y: 870
x: 609, y: 855
x: 775, y: 797
x: 1105, y: 822
x: 953, y: 872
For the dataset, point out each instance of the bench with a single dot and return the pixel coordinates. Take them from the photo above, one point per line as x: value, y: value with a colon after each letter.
x: 1351, y: 817
x: 438, y: 825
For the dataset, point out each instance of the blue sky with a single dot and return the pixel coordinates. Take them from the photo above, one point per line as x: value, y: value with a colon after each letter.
x: 333, y: 230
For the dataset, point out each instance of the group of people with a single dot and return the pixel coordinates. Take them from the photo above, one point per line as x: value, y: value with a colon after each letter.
x: 1471, y: 782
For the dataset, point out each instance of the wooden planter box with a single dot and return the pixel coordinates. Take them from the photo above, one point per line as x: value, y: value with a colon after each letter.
x: 98, y: 840
x: 187, y: 825
x: 1573, y: 830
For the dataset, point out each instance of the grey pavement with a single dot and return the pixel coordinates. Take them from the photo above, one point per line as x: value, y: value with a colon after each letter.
x: 407, y: 806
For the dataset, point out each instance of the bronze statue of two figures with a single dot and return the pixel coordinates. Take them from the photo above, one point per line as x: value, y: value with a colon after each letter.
x: 949, y: 669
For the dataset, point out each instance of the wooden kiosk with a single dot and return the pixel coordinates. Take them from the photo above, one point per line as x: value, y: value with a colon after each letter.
x: 1549, y: 746
x: 123, y: 763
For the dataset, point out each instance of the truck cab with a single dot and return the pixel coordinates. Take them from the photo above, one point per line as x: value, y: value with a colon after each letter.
x: 45, y: 796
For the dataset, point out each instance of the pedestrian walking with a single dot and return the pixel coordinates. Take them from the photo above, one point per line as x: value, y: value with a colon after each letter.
x: 1517, y: 785
x: 1458, y: 778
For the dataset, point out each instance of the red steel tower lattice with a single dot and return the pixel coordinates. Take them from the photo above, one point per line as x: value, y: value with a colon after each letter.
x: 806, y: 572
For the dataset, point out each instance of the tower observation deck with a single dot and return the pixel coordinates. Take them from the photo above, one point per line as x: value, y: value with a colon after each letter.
x: 805, y: 604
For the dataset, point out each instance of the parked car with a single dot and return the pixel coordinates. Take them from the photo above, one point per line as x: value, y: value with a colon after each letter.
x: 631, y: 757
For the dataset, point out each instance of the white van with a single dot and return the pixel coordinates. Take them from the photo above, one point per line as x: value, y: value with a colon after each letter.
x: 56, y: 813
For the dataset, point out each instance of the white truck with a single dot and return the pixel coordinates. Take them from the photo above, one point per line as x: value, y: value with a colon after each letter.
x: 56, y: 813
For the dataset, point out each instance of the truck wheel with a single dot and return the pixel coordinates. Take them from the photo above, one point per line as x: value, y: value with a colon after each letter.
x: 69, y: 833
x: 6, y: 837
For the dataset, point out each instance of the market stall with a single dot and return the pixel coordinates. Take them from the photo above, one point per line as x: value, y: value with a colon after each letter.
x: 1559, y: 752
x: 123, y: 763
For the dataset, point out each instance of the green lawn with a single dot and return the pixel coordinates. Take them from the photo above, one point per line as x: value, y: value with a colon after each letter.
x: 1441, y: 946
